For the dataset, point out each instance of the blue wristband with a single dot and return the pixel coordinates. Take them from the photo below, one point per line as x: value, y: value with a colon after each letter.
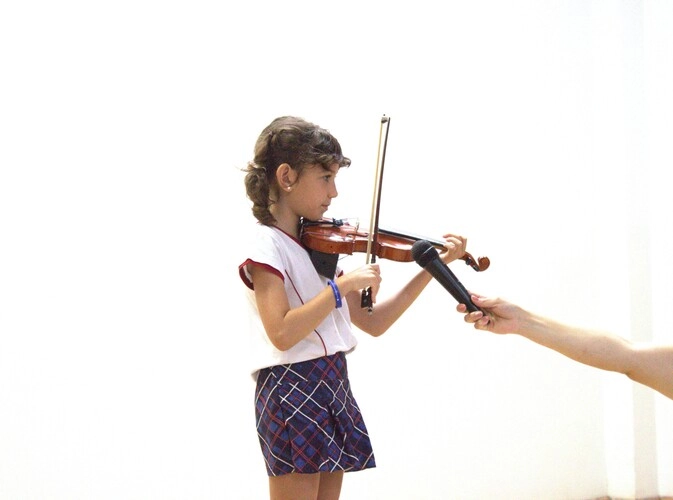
x: 337, y: 295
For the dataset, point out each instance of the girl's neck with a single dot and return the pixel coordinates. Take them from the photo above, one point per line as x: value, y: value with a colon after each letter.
x: 287, y: 223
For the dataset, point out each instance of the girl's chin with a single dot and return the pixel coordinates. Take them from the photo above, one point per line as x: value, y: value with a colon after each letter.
x: 314, y: 216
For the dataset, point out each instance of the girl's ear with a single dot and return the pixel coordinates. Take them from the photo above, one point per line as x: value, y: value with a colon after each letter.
x: 285, y: 175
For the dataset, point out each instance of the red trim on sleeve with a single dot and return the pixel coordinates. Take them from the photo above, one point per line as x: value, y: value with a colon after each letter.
x: 249, y: 262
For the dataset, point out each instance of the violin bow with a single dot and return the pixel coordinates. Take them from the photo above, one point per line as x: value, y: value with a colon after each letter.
x: 372, y: 240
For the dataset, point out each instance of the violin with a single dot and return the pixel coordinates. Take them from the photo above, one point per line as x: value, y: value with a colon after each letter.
x: 327, y: 240
x: 336, y: 236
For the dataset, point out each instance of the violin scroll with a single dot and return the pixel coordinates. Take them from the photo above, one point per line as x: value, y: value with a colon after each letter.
x: 481, y: 264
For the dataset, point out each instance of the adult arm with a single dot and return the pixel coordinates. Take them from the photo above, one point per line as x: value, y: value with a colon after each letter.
x: 647, y: 364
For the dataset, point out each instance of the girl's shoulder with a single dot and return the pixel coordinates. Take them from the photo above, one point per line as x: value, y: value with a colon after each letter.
x: 264, y: 233
x: 269, y: 240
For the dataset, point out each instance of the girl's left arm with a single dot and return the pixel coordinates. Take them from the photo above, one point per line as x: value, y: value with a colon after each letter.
x: 388, y: 311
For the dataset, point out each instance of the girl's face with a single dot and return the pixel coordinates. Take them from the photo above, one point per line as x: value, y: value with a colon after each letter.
x: 313, y: 191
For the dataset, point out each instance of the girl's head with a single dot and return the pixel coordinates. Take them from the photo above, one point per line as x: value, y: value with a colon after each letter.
x: 292, y: 141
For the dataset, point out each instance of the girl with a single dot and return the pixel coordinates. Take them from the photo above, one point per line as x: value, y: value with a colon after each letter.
x: 309, y: 425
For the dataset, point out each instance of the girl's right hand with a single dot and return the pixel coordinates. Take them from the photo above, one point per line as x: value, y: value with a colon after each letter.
x: 361, y: 278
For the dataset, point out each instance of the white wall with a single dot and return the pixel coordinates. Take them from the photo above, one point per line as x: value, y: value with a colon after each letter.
x: 539, y: 130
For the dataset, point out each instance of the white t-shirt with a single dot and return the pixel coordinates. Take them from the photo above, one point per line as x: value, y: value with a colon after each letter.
x: 285, y: 256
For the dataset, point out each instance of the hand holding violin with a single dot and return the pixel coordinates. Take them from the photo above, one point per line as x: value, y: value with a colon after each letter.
x: 454, y: 247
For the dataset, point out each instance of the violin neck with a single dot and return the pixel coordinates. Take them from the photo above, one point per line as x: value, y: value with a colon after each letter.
x: 411, y: 236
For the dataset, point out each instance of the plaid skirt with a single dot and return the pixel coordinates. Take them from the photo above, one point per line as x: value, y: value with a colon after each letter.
x: 308, y: 420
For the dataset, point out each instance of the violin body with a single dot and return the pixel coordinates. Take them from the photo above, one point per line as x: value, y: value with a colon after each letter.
x: 334, y: 236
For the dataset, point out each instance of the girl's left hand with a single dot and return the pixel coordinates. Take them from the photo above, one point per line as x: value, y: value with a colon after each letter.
x: 455, y: 247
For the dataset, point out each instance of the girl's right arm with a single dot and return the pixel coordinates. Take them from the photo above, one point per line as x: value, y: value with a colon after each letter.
x: 285, y: 326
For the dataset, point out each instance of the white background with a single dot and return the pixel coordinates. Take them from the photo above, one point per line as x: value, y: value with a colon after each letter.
x: 540, y: 130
